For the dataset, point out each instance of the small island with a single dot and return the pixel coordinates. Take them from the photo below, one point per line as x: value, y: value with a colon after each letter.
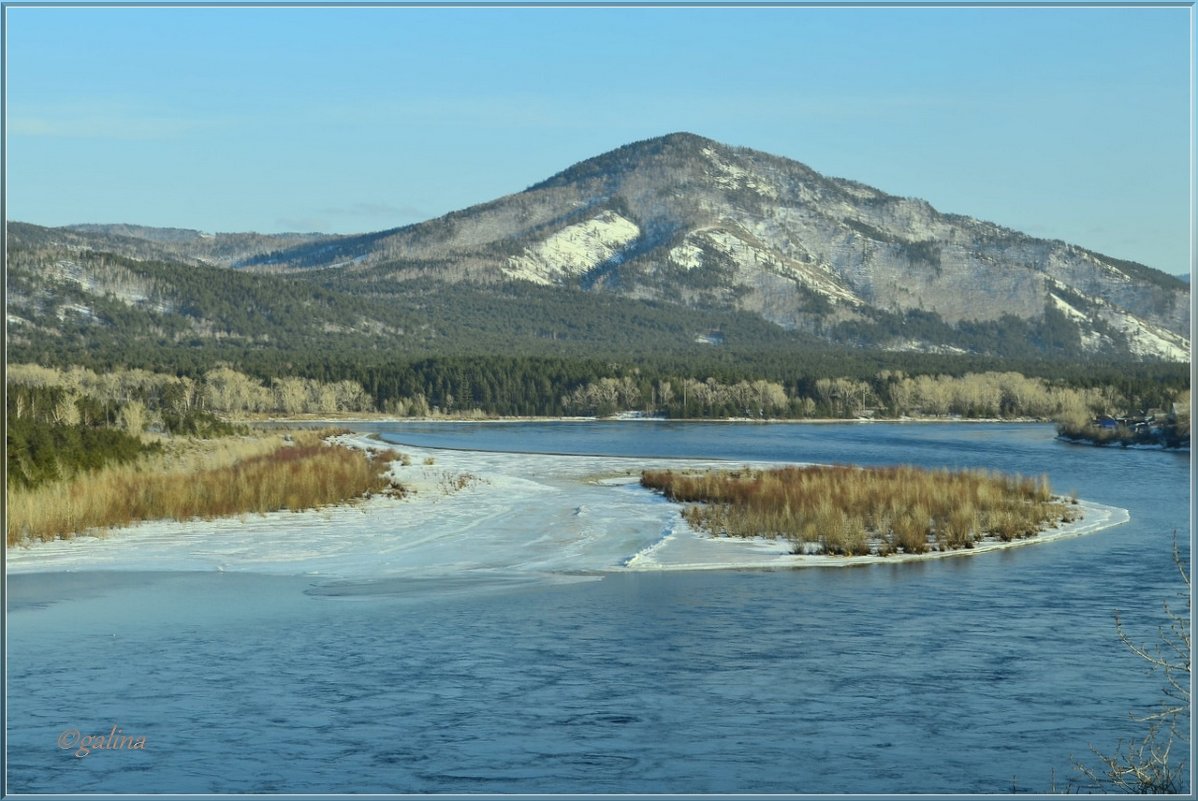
x: 852, y: 511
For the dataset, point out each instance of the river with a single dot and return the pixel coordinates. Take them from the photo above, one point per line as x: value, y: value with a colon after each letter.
x: 490, y: 641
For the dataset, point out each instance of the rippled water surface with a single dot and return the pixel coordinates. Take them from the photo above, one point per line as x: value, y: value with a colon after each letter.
x: 973, y: 674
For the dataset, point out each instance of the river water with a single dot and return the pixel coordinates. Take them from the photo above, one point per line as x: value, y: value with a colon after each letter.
x: 274, y: 657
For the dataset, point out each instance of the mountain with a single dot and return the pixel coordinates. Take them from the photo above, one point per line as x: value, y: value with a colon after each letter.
x: 71, y: 300
x: 683, y: 225
x: 181, y: 244
x: 686, y: 219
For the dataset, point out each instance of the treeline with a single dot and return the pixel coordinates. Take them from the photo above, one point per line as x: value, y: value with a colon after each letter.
x: 38, y: 452
x: 679, y: 398
x: 138, y: 399
x: 888, y: 394
x: 63, y: 422
x: 818, y: 385
x: 56, y: 426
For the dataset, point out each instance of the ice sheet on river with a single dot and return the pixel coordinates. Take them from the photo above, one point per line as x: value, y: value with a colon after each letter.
x: 471, y: 517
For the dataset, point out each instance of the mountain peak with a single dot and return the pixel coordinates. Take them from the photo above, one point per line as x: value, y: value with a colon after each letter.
x: 684, y: 138
x: 677, y: 146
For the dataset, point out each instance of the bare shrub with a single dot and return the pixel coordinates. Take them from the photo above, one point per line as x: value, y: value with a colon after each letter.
x: 846, y: 509
x: 198, y: 479
x: 1158, y: 761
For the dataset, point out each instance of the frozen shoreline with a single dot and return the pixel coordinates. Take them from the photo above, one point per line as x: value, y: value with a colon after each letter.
x: 472, y: 515
x: 686, y: 549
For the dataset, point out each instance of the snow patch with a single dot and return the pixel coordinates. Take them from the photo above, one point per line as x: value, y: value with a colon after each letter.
x: 731, y: 176
x: 74, y: 308
x: 1070, y: 311
x: 1145, y: 339
x: 919, y: 346
x: 1091, y: 340
x: 688, y: 256
x: 747, y: 255
x: 574, y: 250
x: 124, y: 286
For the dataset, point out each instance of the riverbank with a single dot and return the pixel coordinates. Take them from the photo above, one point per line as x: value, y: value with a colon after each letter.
x: 378, y: 417
x: 468, y: 515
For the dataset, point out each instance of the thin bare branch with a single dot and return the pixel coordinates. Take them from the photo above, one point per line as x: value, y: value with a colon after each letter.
x: 1152, y: 764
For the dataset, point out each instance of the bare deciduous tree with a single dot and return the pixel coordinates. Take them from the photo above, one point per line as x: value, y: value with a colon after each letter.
x: 1158, y: 762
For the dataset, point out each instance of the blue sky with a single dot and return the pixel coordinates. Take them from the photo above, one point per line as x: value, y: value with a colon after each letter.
x: 1070, y: 123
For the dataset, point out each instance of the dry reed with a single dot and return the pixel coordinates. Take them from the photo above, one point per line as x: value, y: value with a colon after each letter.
x: 849, y: 510
x: 199, y: 479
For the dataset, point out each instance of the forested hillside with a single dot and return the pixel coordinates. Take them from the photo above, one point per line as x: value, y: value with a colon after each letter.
x: 517, y: 348
x: 675, y: 276
x: 74, y: 305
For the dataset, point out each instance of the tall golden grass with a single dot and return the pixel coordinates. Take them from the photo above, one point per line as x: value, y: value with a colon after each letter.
x: 856, y: 511
x: 199, y: 479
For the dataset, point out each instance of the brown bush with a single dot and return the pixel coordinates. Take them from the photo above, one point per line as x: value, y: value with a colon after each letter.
x: 198, y: 480
x: 849, y: 510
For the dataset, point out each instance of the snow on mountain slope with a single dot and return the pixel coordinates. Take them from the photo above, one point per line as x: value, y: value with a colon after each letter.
x: 744, y: 255
x: 1091, y: 340
x: 573, y: 250
x: 114, y: 281
x: 730, y: 176
x: 1146, y: 339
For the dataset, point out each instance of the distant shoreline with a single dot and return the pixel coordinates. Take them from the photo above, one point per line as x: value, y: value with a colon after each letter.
x: 378, y: 417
